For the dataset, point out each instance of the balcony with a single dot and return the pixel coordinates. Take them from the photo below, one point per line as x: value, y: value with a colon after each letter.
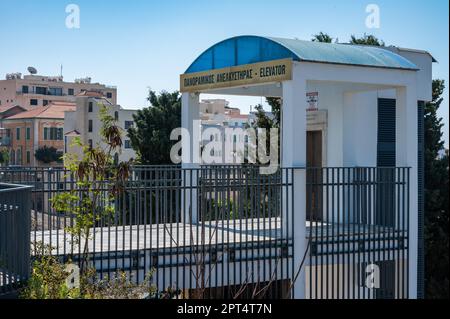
x: 5, y: 141
x: 33, y: 92
x: 233, y: 225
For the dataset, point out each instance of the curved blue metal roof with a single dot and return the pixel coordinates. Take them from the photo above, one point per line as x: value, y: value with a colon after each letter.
x: 253, y: 49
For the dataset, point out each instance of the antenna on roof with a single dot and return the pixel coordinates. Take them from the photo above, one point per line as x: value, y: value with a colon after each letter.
x: 32, y: 70
x: 61, y: 70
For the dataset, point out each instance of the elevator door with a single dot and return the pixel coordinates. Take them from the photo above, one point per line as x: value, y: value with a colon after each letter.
x: 314, y: 175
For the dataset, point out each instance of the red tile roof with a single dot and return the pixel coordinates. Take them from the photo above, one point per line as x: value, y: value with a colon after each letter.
x: 6, y: 108
x: 54, y: 110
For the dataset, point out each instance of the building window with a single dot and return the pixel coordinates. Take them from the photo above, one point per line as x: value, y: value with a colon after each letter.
x: 34, y: 102
x: 59, y: 134
x: 70, y: 92
x: 90, y: 143
x: 28, y: 157
x: 25, y: 89
x: 45, y: 102
x: 12, y: 157
x: 19, y: 156
x: 116, y: 115
x: 52, y: 134
x: 90, y: 106
x: 45, y: 133
x: 41, y: 90
x: 18, y: 133
x: 127, y: 144
x: 90, y: 126
x: 108, y: 95
x: 128, y: 124
x: 55, y: 91
x: 28, y: 133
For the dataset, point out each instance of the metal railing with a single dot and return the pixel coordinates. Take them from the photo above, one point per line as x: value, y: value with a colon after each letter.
x: 358, y: 233
x: 206, y: 232
x: 14, y: 236
x: 226, y: 231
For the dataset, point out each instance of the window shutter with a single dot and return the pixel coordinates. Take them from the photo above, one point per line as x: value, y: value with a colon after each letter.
x: 385, y: 212
x: 386, y: 133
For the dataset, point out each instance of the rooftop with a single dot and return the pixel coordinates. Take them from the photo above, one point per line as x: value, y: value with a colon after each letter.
x: 91, y: 94
x: 54, y: 110
x: 253, y: 49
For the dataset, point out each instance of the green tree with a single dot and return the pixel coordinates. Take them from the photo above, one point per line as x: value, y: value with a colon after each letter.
x: 322, y: 37
x: 4, y: 156
x: 263, y: 120
x: 436, y: 200
x: 47, y: 154
x: 99, y: 182
x: 150, y: 136
x: 367, y: 39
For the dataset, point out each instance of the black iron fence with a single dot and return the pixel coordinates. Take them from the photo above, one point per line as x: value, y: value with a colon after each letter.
x: 14, y: 236
x: 227, y: 231
x: 358, y: 225
x: 206, y: 232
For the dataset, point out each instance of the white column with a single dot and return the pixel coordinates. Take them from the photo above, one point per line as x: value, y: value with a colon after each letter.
x: 406, y: 150
x: 293, y: 154
x: 190, y: 117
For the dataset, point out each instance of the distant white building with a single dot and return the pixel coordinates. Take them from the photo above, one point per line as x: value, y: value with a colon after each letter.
x: 85, y: 123
x: 221, y: 123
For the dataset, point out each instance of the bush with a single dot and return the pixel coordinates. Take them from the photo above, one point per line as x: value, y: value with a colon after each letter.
x: 47, y: 155
x: 49, y: 281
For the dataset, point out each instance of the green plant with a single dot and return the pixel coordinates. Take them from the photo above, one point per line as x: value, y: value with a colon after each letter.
x: 47, y: 154
x: 49, y: 281
x: 48, y: 278
x: 150, y: 136
x: 4, y: 156
x: 98, y: 181
x: 436, y: 200
x: 118, y: 286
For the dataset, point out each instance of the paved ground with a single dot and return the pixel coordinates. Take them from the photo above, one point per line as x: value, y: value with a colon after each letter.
x: 123, y: 238
x: 177, y: 235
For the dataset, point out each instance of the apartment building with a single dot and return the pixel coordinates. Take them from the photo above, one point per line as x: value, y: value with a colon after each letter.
x: 25, y: 132
x: 33, y: 90
x: 216, y: 117
x: 84, y: 122
x: 218, y: 111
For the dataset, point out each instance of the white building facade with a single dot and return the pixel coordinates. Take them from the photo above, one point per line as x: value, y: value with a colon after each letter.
x: 366, y: 114
x: 85, y: 124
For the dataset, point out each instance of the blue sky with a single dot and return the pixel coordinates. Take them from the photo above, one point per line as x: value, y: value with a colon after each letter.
x: 138, y: 44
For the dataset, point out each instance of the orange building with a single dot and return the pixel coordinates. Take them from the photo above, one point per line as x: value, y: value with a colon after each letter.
x: 28, y: 131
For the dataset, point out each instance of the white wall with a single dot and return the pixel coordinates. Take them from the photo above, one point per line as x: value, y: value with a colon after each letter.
x: 352, y: 123
x: 424, y: 77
